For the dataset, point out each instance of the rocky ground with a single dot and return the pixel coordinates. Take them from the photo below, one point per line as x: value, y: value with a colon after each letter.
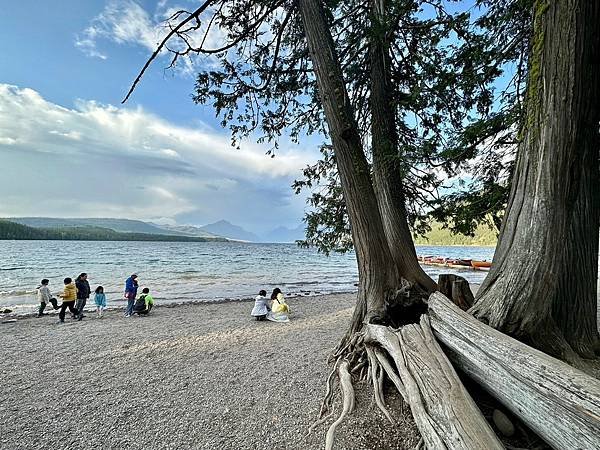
x: 192, y: 376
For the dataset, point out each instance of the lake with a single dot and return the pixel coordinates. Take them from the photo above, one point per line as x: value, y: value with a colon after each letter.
x: 186, y: 271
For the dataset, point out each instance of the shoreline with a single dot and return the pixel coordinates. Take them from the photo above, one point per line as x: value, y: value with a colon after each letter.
x: 90, y: 308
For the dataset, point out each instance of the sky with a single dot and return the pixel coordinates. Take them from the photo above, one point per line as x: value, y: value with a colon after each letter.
x: 69, y: 148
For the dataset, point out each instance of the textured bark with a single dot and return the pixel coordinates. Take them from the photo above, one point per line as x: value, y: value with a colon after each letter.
x: 558, y: 402
x: 444, y: 412
x: 575, y: 307
x: 377, y: 273
x: 387, y: 177
x: 560, y: 135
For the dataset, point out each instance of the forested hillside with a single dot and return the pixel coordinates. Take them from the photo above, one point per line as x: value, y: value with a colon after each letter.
x: 12, y: 230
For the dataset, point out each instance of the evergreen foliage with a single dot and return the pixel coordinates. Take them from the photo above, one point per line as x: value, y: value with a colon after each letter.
x: 12, y: 230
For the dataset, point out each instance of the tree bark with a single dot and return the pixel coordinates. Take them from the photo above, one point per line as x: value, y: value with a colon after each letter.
x: 387, y: 176
x: 558, y: 402
x: 563, y: 112
x: 575, y: 304
x: 378, y: 276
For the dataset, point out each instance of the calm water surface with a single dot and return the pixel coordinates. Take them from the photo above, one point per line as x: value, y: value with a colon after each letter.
x: 185, y: 271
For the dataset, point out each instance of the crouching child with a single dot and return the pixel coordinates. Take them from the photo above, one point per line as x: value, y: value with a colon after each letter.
x: 261, y: 306
x: 144, y: 303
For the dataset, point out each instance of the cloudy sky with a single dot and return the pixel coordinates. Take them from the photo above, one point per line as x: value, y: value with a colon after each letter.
x: 68, y: 148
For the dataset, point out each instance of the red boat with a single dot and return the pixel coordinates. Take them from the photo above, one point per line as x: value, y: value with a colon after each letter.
x: 481, y: 265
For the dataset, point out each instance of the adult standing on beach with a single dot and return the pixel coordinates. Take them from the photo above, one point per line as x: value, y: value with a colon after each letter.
x: 83, y: 293
x: 131, y: 287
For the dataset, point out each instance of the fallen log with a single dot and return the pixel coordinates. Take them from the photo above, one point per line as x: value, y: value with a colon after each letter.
x: 445, y: 414
x: 558, y: 402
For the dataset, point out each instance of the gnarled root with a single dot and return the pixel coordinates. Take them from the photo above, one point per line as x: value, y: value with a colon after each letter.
x: 377, y: 374
x: 347, y: 402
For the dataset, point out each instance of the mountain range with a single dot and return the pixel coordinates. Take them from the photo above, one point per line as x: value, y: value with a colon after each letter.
x: 217, y: 230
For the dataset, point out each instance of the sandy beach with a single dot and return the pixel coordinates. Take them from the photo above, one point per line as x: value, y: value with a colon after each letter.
x: 190, y: 376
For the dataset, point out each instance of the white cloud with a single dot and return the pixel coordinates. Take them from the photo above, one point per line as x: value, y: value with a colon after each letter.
x: 126, y: 22
x: 102, y: 160
x: 122, y: 22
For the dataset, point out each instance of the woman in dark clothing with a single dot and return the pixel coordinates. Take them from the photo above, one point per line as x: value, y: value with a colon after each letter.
x: 131, y: 287
x: 83, y: 293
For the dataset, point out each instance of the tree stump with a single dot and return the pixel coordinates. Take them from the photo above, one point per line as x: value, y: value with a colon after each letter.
x: 457, y: 289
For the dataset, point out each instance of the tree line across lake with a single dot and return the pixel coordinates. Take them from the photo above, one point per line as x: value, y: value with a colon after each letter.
x: 12, y: 230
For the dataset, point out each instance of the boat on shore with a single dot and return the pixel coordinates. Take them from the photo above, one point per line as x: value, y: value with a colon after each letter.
x: 455, y: 263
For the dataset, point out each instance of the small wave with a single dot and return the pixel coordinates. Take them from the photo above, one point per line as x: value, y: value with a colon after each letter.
x: 16, y: 293
x: 13, y: 268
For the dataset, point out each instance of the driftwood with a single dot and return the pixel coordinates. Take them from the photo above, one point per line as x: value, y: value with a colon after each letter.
x: 558, y: 402
x: 444, y: 412
x: 457, y: 289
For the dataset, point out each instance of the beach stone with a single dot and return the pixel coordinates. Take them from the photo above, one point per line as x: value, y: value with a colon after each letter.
x: 503, y: 423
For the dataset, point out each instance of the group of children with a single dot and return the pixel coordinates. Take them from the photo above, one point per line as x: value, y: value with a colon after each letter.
x: 76, y: 293
x: 274, y: 309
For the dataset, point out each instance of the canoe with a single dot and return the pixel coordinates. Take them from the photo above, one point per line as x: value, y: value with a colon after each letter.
x: 458, y: 264
x: 481, y: 264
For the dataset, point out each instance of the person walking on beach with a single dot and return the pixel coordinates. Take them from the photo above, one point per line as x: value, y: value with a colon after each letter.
x: 100, y: 301
x: 144, y: 303
x: 131, y: 287
x: 45, y: 296
x: 69, y: 296
x: 83, y: 293
x: 261, y: 306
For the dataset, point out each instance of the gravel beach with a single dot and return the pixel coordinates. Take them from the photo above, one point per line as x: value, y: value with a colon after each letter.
x: 195, y: 376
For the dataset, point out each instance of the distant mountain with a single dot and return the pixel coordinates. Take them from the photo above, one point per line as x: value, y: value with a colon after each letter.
x: 231, y: 231
x: 121, y: 225
x: 13, y: 230
x: 188, y: 230
x: 284, y: 234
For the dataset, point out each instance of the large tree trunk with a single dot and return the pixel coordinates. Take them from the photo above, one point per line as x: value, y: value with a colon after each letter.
x: 558, y: 402
x: 560, y: 134
x: 575, y: 305
x: 387, y: 177
x: 378, y: 276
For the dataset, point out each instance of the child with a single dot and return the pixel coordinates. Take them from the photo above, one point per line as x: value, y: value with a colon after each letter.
x: 69, y: 296
x: 261, y: 306
x: 144, y: 303
x: 44, y: 297
x: 100, y: 300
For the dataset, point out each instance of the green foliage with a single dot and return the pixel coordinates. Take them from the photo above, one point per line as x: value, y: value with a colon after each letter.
x: 438, y: 235
x: 12, y: 230
x: 451, y: 122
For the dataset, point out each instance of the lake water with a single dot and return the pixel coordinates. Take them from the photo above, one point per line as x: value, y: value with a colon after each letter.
x: 186, y: 271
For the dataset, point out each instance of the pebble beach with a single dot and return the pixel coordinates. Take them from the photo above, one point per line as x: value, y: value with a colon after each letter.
x: 197, y: 376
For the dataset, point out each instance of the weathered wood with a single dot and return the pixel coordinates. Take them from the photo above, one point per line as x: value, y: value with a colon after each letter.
x: 444, y: 412
x: 558, y: 402
x: 456, y: 288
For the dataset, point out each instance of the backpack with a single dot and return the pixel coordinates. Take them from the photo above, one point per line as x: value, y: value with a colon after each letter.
x: 140, y: 303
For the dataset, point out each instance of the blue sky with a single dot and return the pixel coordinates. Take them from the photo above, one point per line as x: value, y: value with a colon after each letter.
x: 68, y: 148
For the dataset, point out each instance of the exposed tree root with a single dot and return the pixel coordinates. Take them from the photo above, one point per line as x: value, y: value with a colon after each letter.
x: 410, y: 357
x: 377, y: 375
x: 347, y: 401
